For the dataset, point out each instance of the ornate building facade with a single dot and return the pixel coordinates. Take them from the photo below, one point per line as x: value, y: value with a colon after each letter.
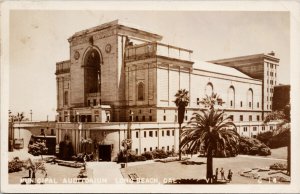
x: 121, y: 82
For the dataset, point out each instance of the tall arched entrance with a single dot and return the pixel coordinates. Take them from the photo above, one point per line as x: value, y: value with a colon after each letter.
x: 92, y: 76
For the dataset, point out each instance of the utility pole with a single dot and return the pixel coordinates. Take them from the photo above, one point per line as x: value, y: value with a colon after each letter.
x: 30, y: 115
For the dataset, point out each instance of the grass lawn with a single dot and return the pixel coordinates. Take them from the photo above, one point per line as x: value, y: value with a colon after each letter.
x: 280, y: 153
x: 176, y: 170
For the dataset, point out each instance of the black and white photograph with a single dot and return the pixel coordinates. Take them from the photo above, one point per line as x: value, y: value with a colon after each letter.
x: 149, y: 97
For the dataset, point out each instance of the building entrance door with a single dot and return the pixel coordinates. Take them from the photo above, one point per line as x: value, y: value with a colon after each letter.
x: 105, y: 152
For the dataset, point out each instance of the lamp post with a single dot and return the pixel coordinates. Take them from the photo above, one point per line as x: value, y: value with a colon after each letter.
x: 11, y: 129
x: 30, y: 115
x: 128, y: 136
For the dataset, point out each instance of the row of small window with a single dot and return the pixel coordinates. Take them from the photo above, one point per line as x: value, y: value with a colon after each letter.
x: 271, y: 73
x: 137, y: 118
x: 271, y: 82
x: 150, y: 133
x: 245, y: 129
x: 271, y: 65
x: 150, y: 149
x: 271, y: 90
x: 268, y: 106
x: 250, y: 117
x: 231, y: 103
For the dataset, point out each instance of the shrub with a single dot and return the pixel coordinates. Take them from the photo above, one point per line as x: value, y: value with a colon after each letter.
x: 264, y: 152
x: 80, y: 156
x: 280, y: 140
x: 265, y: 137
x: 66, y: 150
x: 278, y: 166
x: 132, y: 157
x: 159, y: 154
x: 253, y: 146
x: 148, y: 155
x: 15, y: 165
x: 38, y: 148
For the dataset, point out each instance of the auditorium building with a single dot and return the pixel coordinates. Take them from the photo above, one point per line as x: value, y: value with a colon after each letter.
x: 121, y: 81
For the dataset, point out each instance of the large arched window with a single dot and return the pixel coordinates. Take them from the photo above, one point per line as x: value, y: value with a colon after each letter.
x: 66, y: 98
x: 250, y: 98
x: 231, y: 97
x: 92, y: 71
x: 141, y: 91
x: 209, y: 89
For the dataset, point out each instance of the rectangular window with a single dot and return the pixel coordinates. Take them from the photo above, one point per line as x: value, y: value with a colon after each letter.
x: 250, y: 117
x: 241, y: 117
x: 198, y: 101
x: 89, y: 103
x: 140, y: 111
x: 145, y: 149
x: 136, y: 118
x: 168, y: 132
x: 137, y: 151
x: 150, y: 133
x: 241, y: 104
x: 173, y: 132
x: 164, y: 110
x: 271, y: 127
x: 257, y: 117
x: 231, y: 103
x: 263, y: 128
x: 165, y: 118
x: 175, y: 118
x: 94, y: 102
x: 245, y: 129
x: 150, y: 111
x: 150, y: 118
x: 162, y: 133
x: 137, y: 134
x: 145, y: 134
x: 254, y: 128
x: 155, y: 133
x: 249, y: 104
x: 144, y: 118
x: 186, y: 118
x: 258, y: 105
x: 168, y: 148
x: 150, y: 149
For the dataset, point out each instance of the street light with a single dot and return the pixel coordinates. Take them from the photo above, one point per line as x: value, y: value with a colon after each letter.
x: 30, y: 115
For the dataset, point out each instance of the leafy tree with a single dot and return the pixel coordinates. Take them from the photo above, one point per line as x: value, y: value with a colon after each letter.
x: 209, y: 130
x: 283, y: 127
x: 181, y: 101
x: 38, y: 148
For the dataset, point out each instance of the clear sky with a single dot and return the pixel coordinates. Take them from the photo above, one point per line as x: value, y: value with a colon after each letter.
x: 38, y: 39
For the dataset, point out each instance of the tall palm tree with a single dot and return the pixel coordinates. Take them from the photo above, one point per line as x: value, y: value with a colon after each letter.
x: 181, y: 101
x: 19, y: 117
x: 209, y: 130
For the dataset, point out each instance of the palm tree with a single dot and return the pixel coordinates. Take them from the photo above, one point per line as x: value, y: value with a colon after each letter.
x: 181, y: 101
x: 209, y: 130
x: 19, y: 117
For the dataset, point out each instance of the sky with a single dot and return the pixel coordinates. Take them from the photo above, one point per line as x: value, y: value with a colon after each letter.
x: 38, y: 39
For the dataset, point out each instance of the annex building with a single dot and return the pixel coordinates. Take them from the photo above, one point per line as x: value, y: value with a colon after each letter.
x: 120, y: 82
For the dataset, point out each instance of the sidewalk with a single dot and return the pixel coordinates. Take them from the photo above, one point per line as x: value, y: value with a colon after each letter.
x: 106, y: 172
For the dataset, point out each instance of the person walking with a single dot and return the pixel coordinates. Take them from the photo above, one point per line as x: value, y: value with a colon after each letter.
x: 229, y: 176
x: 217, y: 172
x: 222, y: 174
